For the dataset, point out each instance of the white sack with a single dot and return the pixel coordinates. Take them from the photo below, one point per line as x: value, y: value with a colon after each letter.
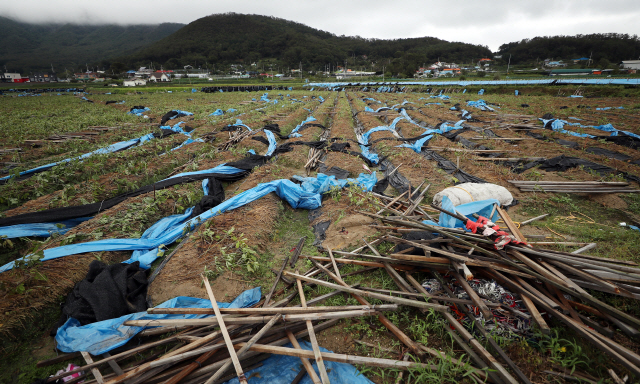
x: 468, y: 192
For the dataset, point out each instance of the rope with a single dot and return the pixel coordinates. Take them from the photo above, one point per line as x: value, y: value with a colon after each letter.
x: 472, y: 199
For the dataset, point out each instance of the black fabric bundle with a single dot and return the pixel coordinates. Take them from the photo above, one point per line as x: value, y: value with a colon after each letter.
x: 107, y: 292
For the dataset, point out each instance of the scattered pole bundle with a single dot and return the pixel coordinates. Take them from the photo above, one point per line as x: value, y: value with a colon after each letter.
x: 574, y: 186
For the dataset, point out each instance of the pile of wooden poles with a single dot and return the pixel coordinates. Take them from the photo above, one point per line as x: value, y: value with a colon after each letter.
x: 574, y: 186
x: 547, y: 284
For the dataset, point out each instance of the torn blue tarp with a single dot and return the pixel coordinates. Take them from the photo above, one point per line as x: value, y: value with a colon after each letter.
x: 323, y: 183
x: 272, y: 142
x: 482, y: 208
x: 138, y: 111
x: 120, y: 146
x: 558, y: 126
x: 39, y: 229
x: 440, y: 96
x: 187, y: 142
x: 281, y: 369
x: 241, y: 124
x: 104, y: 336
x: 320, y: 98
x: 480, y: 104
x: 368, y: 109
x: 517, y: 92
x: 481, y: 92
x: 466, y: 114
x: 417, y: 145
x: 576, y: 96
x: 177, y: 128
x: 296, y: 196
x: 193, y: 90
x: 294, y: 132
x: 608, y: 108
x: 218, y: 112
x: 231, y: 110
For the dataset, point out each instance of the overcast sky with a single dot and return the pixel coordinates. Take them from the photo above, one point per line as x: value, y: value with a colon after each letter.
x: 490, y: 23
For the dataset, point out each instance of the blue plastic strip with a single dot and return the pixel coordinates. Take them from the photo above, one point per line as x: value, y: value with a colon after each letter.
x: 40, y: 229
x: 305, y: 197
x: 104, y: 336
x: 120, y: 146
x: 280, y: 369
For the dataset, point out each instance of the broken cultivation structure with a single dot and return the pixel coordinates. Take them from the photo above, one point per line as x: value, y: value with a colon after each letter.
x: 314, y: 210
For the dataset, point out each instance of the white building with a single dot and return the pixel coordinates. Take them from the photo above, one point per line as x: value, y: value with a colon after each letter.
x: 159, y: 77
x: 133, y: 82
x: 631, y: 64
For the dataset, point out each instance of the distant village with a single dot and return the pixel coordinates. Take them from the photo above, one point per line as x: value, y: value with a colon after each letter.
x: 145, y: 75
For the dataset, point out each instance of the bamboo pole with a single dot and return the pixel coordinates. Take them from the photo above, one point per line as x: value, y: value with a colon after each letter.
x: 312, y: 338
x: 232, y: 352
x: 241, y: 352
x: 305, y: 362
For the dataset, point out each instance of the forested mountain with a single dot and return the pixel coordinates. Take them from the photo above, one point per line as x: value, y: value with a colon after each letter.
x: 28, y: 47
x: 233, y: 38
x: 612, y: 47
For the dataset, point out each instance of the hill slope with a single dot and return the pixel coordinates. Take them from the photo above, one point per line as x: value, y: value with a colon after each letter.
x: 27, y: 47
x: 612, y: 47
x: 232, y: 38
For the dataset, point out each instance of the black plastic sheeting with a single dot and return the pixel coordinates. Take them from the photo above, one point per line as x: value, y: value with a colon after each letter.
x: 107, y: 292
x: 566, y: 143
x: 413, y: 236
x: 622, y: 139
x: 171, y: 115
x: 450, y: 168
x: 381, y: 186
x: 260, y: 139
x: 214, y: 198
x: 248, y: 88
x: 319, y: 230
x: 338, y: 172
x: 608, y: 153
x: 562, y: 163
x: 66, y: 213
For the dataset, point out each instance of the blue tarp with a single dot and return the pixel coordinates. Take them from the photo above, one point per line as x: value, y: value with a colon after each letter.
x: 40, y: 229
x: 481, y: 92
x: 323, y: 183
x: 305, y: 197
x: 417, y: 145
x: 464, y: 83
x: 480, y: 104
x: 111, y: 148
x: 482, y: 208
x: 104, y: 336
x: 139, y: 111
x: 272, y: 142
x: 218, y: 112
x: 294, y: 132
x: 280, y: 369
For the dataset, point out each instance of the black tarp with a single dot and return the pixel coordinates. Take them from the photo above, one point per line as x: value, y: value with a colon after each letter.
x: 562, y: 163
x: 338, y: 172
x: 566, y: 143
x: 608, y: 153
x: 450, y: 168
x: 213, y: 199
x: 107, y: 292
x: 66, y: 213
x: 171, y: 115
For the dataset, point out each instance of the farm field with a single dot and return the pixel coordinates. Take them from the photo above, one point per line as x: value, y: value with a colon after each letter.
x: 235, y: 162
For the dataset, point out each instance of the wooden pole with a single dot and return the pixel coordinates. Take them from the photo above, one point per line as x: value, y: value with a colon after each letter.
x: 241, y: 352
x: 227, y: 339
x: 305, y: 362
x: 312, y: 337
